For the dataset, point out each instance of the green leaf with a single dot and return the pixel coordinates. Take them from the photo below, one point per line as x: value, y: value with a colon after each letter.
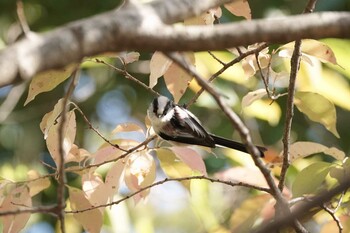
x: 310, y: 179
x: 318, y: 109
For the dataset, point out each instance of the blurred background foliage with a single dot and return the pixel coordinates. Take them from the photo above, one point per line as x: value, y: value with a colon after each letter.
x: 108, y: 99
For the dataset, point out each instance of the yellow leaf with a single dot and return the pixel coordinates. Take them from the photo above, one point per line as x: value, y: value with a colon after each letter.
x: 38, y: 184
x: 304, y: 149
x: 90, y: 220
x: 172, y: 166
x: 48, y: 80
x: 69, y: 131
x: 318, y: 109
x: 177, y: 80
x: 159, y: 64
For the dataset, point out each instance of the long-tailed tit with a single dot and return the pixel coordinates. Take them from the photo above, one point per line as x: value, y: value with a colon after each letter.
x: 175, y: 123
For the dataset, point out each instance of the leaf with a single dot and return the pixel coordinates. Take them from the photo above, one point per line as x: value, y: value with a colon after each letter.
x: 248, y: 212
x: 318, y: 109
x: 252, y: 96
x: 240, y: 8
x: 77, y: 154
x: 319, y: 50
x: 94, y: 188
x: 172, y: 166
x: 159, y: 64
x: 48, y: 80
x: 190, y: 157
x: 17, y: 199
x: 50, y: 118
x: 310, y: 179
x: 69, y: 131
x: 314, y: 48
x: 105, y: 153
x: 304, y: 149
x: 112, y: 180
x: 177, y: 80
x: 38, y: 185
x: 128, y: 58
x: 90, y: 220
x: 128, y: 127
x: 140, y: 171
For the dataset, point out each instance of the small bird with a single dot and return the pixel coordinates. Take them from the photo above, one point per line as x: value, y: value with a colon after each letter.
x: 175, y: 123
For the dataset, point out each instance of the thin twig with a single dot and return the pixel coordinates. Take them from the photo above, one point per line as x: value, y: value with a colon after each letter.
x: 295, y: 65
x: 335, y: 218
x: 61, y: 169
x: 33, y: 210
x: 128, y: 76
x: 94, y: 129
x: 22, y: 18
x: 214, y: 180
x: 225, y: 67
x: 216, y: 58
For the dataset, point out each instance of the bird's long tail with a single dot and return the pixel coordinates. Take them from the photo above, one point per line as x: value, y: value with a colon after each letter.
x: 235, y: 145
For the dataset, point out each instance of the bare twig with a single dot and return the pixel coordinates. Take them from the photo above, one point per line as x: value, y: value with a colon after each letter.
x: 295, y: 64
x: 11, y: 100
x: 61, y: 170
x: 129, y: 76
x: 225, y: 67
x: 214, y: 180
x: 22, y: 18
x: 216, y: 58
x: 94, y: 129
x: 33, y: 210
x: 335, y: 217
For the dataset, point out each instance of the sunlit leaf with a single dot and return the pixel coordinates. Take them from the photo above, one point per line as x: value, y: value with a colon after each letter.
x: 48, y: 80
x: 112, y: 179
x: 176, y: 79
x: 129, y: 57
x: 128, y: 127
x: 69, y: 131
x: 140, y: 171
x: 248, y: 212
x: 310, y: 179
x: 304, y: 149
x: 159, y: 64
x: 314, y: 48
x: 19, y: 198
x: 249, y: 98
x: 318, y: 109
x: 240, y: 8
x: 77, y: 154
x: 39, y: 184
x: 90, y: 220
x: 50, y: 118
x: 190, y: 157
x: 105, y: 153
x: 172, y: 166
x: 94, y: 188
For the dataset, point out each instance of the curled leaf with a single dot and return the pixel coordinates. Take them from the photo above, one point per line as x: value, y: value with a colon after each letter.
x: 249, y: 98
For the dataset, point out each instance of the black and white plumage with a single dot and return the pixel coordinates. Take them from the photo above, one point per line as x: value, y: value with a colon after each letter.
x: 175, y: 123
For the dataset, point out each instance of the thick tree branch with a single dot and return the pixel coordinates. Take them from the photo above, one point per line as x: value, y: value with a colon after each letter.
x: 145, y: 27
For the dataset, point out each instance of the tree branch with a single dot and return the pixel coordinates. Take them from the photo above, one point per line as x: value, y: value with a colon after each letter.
x: 143, y: 28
